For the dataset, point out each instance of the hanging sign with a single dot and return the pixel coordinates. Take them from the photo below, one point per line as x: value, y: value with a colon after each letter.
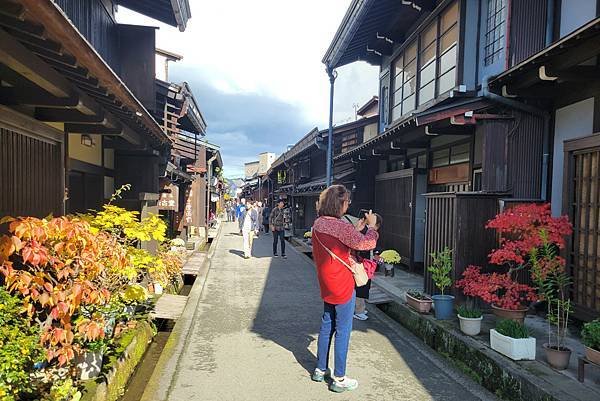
x: 169, y: 198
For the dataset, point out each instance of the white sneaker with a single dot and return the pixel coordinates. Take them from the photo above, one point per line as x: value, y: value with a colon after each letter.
x: 341, y: 384
x: 361, y: 316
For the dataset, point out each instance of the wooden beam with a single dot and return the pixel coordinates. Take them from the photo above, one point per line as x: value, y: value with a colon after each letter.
x: 11, y: 9
x: 69, y: 116
x: 66, y: 34
x: 18, y: 58
x: 38, y: 98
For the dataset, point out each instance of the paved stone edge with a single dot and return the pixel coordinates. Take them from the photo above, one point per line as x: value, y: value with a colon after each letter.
x: 527, y: 380
x: 162, y: 378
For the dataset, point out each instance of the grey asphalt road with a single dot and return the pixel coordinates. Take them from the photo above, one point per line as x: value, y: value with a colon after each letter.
x: 254, y: 334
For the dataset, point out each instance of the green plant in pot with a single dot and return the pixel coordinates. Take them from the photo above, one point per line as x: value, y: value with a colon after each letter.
x: 418, y: 301
x: 548, y: 273
x: 470, y: 318
x: 440, y: 269
x: 511, y: 338
x: 591, y: 339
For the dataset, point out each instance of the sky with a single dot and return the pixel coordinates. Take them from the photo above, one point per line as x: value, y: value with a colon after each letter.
x: 255, y: 70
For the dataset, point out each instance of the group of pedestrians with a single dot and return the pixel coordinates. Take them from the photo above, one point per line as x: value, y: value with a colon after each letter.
x: 253, y: 218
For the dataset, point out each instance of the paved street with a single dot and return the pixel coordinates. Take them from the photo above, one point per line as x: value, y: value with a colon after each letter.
x: 254, y: 338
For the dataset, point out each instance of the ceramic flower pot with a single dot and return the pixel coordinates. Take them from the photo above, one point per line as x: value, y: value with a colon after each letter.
x: 470, y: 326
x: 518, y: 315
x: 420, y: 305
x: 89, y: 364
x: 515, y: 348
x: 592, y: 355
x: 558, y: 359
x: 443, y: 306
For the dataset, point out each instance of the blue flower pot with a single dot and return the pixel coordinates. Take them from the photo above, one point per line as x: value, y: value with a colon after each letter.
x: 443, y: 306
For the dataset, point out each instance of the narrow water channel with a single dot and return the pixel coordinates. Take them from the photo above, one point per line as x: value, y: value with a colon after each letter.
x: 137, y: 383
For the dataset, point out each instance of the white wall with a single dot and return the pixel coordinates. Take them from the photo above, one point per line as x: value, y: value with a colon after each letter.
x: 575, y: 13
x: 572, y: 121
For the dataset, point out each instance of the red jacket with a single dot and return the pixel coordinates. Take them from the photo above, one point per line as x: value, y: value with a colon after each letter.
x: 335, y: 279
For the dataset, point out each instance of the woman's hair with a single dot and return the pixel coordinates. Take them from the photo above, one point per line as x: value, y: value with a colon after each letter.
x: 378, y: 220
x: 331, y: 201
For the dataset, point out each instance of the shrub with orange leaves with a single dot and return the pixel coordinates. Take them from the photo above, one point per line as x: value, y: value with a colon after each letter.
x: 55, y: 265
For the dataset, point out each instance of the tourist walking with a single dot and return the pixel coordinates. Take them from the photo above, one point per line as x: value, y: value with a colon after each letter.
x: 276, y: 223
x: 333, y: 239
x: 259, y: 212
x: 240, y: 210
x: 266, y: 214
x: 249, y: 225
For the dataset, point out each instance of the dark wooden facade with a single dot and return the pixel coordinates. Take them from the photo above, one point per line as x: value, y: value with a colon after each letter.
x: 457, y: 221
x: 68, y: 111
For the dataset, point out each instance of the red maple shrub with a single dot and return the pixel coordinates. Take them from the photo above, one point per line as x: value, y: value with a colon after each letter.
x: 498, y: 289
x: 523, y: 229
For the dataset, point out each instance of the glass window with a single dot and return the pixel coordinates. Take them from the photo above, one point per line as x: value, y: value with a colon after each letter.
x: 449, y: 17
x: 440, y: 158
x: 427, y: 93
x: 495, y: 31
x: 425, y: 71
x: 460, y: 153
x: 447, y: 81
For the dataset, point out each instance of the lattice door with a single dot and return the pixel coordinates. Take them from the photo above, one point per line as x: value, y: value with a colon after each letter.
x: 584, y: 205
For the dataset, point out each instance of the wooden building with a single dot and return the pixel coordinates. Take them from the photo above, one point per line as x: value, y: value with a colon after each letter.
x: 298, y: 175
x: 77, y: 97
x: 480, y: 105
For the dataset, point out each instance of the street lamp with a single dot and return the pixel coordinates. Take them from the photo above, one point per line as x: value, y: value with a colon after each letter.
x: 332, y: 76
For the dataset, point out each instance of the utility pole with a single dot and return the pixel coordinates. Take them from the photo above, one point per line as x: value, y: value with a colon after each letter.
x: 332, y: 76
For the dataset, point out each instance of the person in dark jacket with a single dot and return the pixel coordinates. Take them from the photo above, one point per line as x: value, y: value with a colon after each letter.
x: 276, y: 223
x: 266, y: 214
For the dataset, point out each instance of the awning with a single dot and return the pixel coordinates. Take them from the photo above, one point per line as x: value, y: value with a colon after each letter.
x: 171, y: 12
x: 556, y: 69
x: 452, y: 110
x: 388, y: 135
x: 55, y: 69
x: 368, y: 28
x: 318, y: 185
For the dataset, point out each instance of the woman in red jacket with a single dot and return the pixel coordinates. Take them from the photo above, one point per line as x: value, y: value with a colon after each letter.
x: 331, y: 234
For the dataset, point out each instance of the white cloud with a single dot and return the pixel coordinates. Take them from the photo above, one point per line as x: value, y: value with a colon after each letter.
x: 269, y: 47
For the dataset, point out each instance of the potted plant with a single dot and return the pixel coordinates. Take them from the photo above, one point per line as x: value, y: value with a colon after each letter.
x: 548, y: 272
x: 440, y: 269
x: 521, y: 229
x: 512, y: 339
x: 506, y: 296
x: 89, y: 360
x: 418, y: 301
x: 390, y: 258
x: 470, y: 320
x: 591, y: 340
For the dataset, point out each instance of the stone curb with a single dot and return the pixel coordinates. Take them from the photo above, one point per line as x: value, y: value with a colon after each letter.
x: 162, y: 378
x: 509, y: 380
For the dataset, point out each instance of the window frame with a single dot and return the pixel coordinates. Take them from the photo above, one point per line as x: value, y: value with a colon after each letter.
x: 397, y: 97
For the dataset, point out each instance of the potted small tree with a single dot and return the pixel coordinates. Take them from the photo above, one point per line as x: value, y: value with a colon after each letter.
x: 390, y: 258
x: 591, y: 340
x: 470, y: 319
x: 548, y: 272
x: 506, y: 296
x: 440, y: 269
x: 418, y: 301
x: 512, y: 339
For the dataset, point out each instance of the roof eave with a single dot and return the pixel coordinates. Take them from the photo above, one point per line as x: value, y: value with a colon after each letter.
x: 345, y: 32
